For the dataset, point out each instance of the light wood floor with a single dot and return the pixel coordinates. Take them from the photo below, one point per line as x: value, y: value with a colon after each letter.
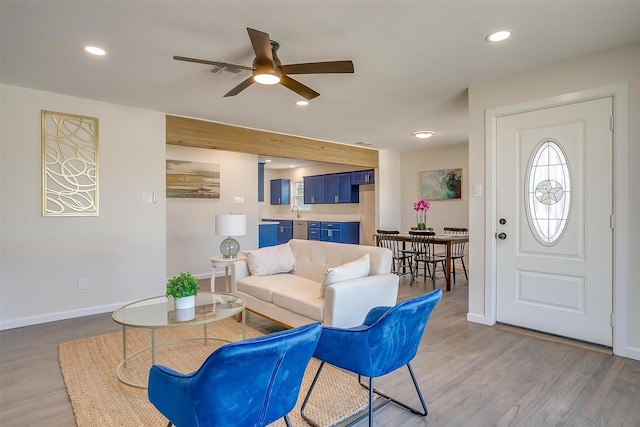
x: 470, y: 374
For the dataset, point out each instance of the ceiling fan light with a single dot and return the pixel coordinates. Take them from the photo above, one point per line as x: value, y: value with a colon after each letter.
x: 267, y: 76
x: 423, y: 134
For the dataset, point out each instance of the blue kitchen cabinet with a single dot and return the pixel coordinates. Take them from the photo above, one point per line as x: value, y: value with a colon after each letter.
x: 340, y: 232
x: 338, y: 189
x: 280, y: 192
x: 267, y: 234
x: 284, y: 230
x: 363, y: 177
x: 313, y: 230
x: 314, y: 191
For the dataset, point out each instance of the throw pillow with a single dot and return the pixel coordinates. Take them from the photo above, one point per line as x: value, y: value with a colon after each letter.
x: 350, y: 270
x: 271, y: 260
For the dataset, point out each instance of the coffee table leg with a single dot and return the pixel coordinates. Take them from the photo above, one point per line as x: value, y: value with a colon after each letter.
x: 243, y: 317
x: 153, y: 346
x: 124, y: 345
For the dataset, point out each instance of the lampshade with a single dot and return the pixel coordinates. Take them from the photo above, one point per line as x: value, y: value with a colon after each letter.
x: 230, y: 225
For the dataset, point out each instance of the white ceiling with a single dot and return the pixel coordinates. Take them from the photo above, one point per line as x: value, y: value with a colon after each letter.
x: 414, y: 60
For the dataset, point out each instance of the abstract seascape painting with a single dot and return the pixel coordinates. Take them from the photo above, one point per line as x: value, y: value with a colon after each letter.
x: 442, y: 184
x: 193, y: 179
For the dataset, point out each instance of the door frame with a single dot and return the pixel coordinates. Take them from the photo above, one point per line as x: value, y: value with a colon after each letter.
x: 620, y: 94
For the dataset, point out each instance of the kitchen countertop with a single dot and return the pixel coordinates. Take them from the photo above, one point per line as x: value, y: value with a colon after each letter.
x: 311, y: 217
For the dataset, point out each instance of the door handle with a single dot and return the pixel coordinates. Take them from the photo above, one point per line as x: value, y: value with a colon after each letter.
x: 501, y: 236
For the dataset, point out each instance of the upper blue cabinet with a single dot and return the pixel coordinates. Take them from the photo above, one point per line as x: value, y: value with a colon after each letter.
x: 338, y: 189
x: 314, y: 191
x: 363, y: 177
x: 280, y: 192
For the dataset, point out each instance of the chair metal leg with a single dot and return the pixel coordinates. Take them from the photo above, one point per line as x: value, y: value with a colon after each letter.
x: 465, y: 269
x: 306, y: 399
x: 286, y: 421
x: 422, y: 412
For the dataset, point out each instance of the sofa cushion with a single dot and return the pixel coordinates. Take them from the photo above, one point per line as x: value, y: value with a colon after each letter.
x: 263, y: 287
x: 271, y: 260
x: 350, y: 270
x: 301, y: 299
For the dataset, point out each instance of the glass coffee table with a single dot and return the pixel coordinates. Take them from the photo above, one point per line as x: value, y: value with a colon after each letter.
x: 159, y: 313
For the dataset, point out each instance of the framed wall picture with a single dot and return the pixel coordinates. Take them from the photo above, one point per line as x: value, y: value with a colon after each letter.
x: 193, y: 179
x: 441, y: 184
x: 69, y: 164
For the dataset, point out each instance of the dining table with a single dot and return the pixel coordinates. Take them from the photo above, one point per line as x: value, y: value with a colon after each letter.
x: 447, y: 240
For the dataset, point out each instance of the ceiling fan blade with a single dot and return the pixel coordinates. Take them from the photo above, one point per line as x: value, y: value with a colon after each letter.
x: 216, y: 63
x: 242, y: 86
x: 261, y: 46
x: 318, y: 67
x: 302, y: 90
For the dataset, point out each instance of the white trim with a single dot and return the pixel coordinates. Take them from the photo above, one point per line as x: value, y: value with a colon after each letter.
x: 620, y: 94
x: 476, y: 318
x: 60, y: 315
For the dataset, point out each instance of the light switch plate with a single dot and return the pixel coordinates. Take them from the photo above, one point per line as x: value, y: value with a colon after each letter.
x: 477, y: 190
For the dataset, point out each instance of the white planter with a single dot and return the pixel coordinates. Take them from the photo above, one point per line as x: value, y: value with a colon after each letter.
x: 185, y: 302
x: 184, y: 314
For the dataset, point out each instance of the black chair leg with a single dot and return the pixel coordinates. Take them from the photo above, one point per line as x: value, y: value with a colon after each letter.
x: 306, y: 399
x: 422, y: 412
x: 453, y: 265
x: 286, y: 421
x: 465, y: 269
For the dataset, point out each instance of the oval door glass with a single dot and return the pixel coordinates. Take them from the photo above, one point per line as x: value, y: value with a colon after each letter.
x: 548, y: 192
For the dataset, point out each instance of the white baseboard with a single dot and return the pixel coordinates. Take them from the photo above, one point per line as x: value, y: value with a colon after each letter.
x: 61, y: 315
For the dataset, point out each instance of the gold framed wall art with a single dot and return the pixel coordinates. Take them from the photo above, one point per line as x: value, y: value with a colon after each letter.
x: 69, y: 165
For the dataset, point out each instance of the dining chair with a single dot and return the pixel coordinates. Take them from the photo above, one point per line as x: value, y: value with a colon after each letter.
x: 386, y: 341
x: 423, y: 250
x: 457, y: 250
x: 401, y: 258
x: 247, y: 383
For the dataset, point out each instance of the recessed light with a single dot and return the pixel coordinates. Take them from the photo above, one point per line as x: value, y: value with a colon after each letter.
x: 268, y: 160
x: 302, y: 103
x: 423, y: 134
x: 498, y: 36
x: 93, y: 50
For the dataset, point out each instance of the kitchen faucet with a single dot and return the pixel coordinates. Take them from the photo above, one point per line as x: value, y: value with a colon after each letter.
x: 297, y: 209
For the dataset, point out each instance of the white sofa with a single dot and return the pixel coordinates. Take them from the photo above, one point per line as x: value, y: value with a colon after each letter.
x: 294, y: 298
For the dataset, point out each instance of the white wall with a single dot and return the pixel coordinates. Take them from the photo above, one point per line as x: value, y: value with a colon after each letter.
x: 121, y: 252
x: 389, y: 189
x: 191, y: 239
x: 603, y: 69
x: 443, y: 213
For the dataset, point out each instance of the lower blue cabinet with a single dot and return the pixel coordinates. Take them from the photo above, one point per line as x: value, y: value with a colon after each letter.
x: 267, y: 235
x: 340, y: 232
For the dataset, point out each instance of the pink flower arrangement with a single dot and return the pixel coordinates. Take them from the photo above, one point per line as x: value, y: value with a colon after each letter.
x: 421, y: 206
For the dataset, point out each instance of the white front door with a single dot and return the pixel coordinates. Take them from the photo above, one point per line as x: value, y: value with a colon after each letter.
x: 554, y: 206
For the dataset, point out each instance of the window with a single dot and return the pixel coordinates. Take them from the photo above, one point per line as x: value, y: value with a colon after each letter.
x: 298, y: 197
x: 548, y: 192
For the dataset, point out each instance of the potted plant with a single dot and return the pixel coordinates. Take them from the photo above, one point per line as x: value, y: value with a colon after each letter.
x: 183, y: 289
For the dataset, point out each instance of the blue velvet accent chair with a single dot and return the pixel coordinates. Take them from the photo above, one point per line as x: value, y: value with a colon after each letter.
x: 387, y: 340
x: 248, y: 383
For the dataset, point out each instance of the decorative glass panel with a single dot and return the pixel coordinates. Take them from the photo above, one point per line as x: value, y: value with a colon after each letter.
x: 548, y: 188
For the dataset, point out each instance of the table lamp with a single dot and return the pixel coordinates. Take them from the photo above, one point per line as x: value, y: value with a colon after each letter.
x: 230, y: 225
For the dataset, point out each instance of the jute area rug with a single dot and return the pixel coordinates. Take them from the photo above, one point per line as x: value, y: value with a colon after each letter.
x: 98, y: 398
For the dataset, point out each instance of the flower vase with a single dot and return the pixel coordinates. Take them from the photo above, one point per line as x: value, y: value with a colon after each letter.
x: 421, y: 217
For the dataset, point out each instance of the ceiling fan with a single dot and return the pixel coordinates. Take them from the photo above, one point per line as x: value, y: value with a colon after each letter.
x: 267, y: 68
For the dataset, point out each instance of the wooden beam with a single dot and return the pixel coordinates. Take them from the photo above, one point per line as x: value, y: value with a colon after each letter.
x: 189, y: 132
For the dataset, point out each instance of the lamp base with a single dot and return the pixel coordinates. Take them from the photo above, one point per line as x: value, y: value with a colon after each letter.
x: 229, y: 248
